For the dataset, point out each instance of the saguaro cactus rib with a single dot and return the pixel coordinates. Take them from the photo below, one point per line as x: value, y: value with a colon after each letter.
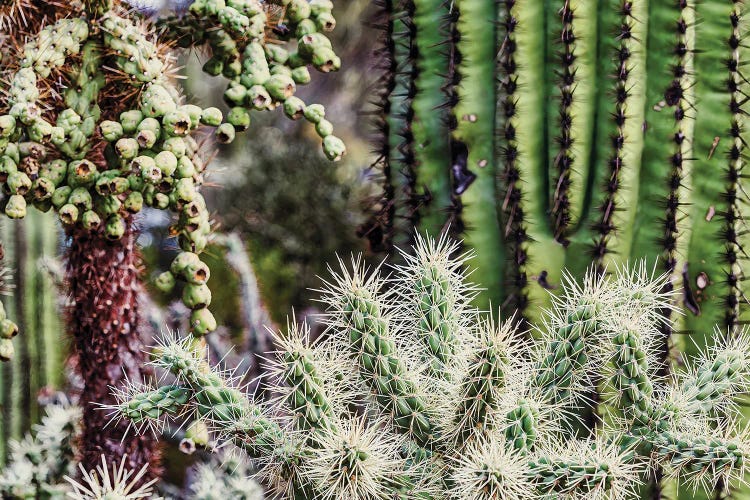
x: 575, y: 47
x: 712, y: 211
x: 473, y: 140
x: 430, y: 122
x: 544, y: 256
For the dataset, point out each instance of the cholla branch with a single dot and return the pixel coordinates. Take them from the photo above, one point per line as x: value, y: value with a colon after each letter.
x: 412, y: 393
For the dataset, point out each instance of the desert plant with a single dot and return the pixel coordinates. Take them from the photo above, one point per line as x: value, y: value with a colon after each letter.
x: 556, y: 134
x: 31, y: 300
x: 39, y: 462
x: 415, y: 394
x: 94, y: 127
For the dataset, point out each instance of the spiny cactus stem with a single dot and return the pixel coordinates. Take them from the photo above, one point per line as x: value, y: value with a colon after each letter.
x: 474, y: 166
x: 734, y: 217
x: 430, y: 124
x: 400, y: 118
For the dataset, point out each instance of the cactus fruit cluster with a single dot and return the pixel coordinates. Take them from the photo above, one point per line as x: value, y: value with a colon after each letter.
x: 413, y: 393
x: 96, y: 167
x: 553, y: 135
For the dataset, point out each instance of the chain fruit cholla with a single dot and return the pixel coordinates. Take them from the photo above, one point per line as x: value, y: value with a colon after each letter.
x: 94, y: 127
x: 412, y: 393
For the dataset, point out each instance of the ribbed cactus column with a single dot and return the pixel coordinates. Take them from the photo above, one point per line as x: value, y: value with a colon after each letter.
x: 104, y: 321
x: 40, y: 351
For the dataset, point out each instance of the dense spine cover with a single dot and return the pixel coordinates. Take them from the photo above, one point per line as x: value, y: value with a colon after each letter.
x: 470, y: 412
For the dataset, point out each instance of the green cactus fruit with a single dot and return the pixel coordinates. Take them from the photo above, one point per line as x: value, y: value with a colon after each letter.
x: 165, y: 282
x: 239, y: 117
x: 211, y: 117
x: 6, y: 350
x: 90, y: 220
x: 225, y: 133
x: 68, y: 214
x: 334, y: 148
x: 202, y: 322
x: 294, y: 108
x: 130, y: 120
x: 314, y: 113
x: 114, y: 228
x: 8, y: 329
x: 196, y: 296
x: 324, y: 128
x: 111, y: 131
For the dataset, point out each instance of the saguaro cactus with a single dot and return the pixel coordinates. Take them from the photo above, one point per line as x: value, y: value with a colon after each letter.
x: 94, y: 127
x: 555, y: 134
x: 457, y: 407
x: 33, y: 304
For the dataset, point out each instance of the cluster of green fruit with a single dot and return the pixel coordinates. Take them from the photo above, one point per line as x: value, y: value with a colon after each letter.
x: 265, y: 76
x: 97, y: 167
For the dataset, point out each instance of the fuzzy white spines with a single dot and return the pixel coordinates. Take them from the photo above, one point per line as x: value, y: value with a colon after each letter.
x: 38, y: 463
x: 362, y: 323
x: 485, y: 416
x: 103, y: 484
x: 490, y: 470
x: 434, y: 298
x: 356, y: 460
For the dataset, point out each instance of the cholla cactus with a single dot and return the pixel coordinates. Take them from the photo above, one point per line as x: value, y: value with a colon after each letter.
x: 226, y: 476
x: 107, y: 482
x: 414, y: 394
x: 94, y: 127
x: 38, y: 463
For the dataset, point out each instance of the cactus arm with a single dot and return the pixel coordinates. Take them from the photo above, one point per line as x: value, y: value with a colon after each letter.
x: 577, y: 83
x: 433, y: 284
x: 631, y: 380
x: 482, y: 385
x: 365, y: 332
x: 588, y: 469
x: 544, y: 258
x: 473, y: 143
x: 702, y: 460
x: 298, y: 366
x: 430, y: 122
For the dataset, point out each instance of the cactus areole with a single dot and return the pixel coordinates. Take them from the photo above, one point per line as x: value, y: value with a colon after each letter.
x: 94, y: 127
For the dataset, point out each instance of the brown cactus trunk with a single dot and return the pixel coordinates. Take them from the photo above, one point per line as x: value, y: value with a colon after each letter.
x: 104, y: 321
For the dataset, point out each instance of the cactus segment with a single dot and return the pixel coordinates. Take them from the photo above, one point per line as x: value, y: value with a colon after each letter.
x: 709, y: 273
x: 576, y: 30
